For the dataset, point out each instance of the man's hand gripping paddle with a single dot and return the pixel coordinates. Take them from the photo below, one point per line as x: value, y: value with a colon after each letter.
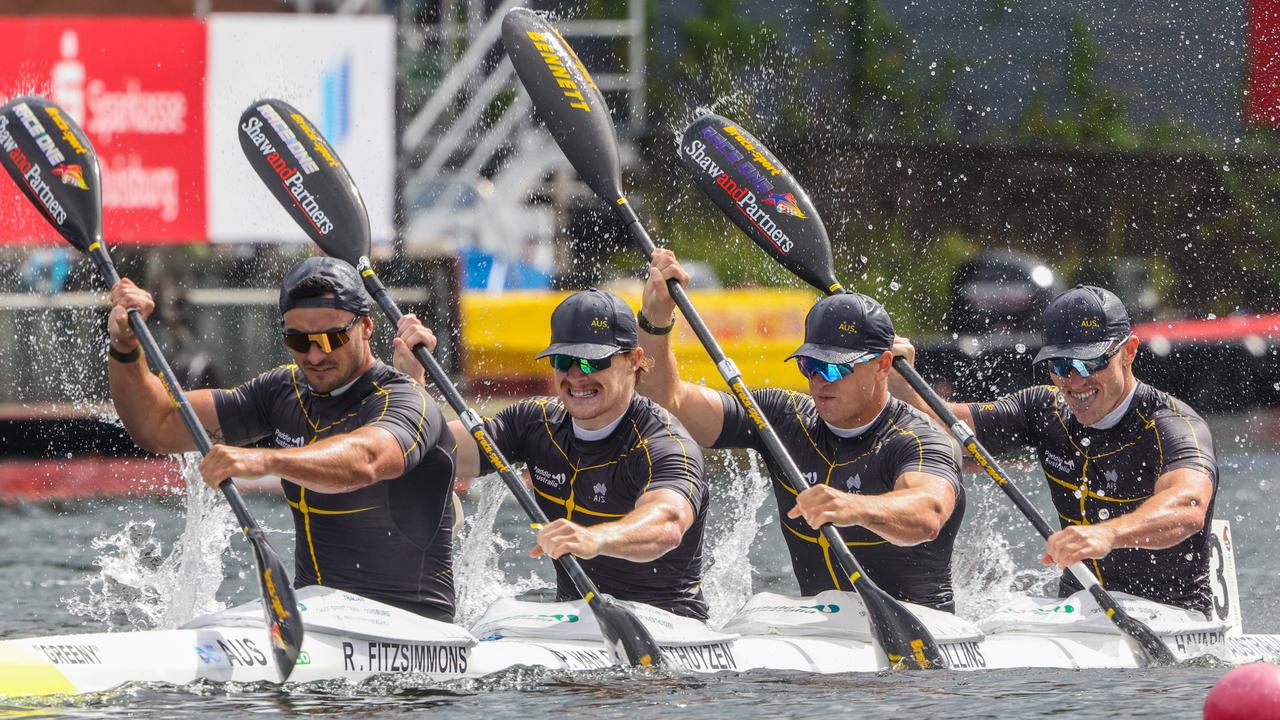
x: 55, y: 166
x: 304, y: 173
x: 757, y: 193
x: 568, y: 101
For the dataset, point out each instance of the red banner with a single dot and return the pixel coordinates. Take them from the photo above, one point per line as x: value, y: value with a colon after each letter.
x: 1262, y: 103
x: 136, y: 86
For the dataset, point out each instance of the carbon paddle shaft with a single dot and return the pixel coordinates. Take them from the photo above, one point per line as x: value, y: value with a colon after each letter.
x: 1155, y: 651
x: 638, y: 646
x: 278, y: 599
x: 904, y: 641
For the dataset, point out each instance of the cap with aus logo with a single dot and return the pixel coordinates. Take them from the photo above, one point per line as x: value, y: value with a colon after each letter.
x: 844, y: 328
x: 1083, y: 323
x: 592, y: 324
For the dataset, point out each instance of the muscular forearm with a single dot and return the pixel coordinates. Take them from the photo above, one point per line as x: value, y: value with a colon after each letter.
x: 340, y: 464
x: 642, y: 535
x: 1162, y: 521
x: 903, y: 517
x: 145, y: 408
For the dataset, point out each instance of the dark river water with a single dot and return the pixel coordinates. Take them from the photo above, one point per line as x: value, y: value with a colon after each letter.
x: 155, y: 562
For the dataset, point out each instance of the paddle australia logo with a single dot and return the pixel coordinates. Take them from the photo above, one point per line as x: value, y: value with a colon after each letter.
x: 283, y: 440
x: 1058, y: 462
x: 546, y: 478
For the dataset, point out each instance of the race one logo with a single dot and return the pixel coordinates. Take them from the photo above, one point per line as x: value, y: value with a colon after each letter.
x: 37, y: 132
x: 71, y: 175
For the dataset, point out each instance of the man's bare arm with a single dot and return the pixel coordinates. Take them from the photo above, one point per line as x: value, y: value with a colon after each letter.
x: 913, y: 512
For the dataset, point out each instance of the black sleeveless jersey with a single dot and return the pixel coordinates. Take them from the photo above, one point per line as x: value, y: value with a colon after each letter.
x: 1095, y: 475
x: 391, y: 541
x: 901, y: 440
x: 593, y: 482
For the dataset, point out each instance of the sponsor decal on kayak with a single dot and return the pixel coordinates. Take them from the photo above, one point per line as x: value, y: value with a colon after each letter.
x: 394, y: 657
x: 964, y: 655
x: 583, y: 659
x: 67, y: 654
x: 1184, y: 642
x: 712, y: 656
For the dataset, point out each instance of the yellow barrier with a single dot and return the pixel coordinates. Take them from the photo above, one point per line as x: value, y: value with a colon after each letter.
x: 757, y: 328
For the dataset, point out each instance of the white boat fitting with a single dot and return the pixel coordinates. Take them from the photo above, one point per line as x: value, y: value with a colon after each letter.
x: 352, y: 638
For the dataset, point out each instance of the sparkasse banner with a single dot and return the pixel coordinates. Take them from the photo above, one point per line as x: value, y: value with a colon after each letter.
x: 142, y: 106
x: 159, y: 99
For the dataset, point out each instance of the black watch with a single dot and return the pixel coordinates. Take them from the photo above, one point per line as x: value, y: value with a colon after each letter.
x: 652, y: 329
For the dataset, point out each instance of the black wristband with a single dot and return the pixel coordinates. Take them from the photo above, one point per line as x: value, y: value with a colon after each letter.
x: 124, y: 358
x: 652, y: 329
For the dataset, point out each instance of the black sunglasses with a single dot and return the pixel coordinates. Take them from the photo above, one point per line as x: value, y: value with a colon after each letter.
x: 328, y: 340
x: 564, y: 362
x: 1062, y: 367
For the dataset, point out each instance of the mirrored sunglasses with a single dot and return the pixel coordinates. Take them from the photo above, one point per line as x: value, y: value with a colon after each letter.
x: 1062, y: 367
x: 830, y: 372
x: 564, y: 362
x: 328, y: 340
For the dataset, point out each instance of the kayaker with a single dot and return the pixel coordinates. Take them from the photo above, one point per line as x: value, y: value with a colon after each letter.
x: 365, y: 461
x: 1131, y: 469
x: 879, y: 469
x: 619, y: 477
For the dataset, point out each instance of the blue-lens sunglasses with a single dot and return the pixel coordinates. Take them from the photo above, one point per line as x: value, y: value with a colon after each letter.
x: 1062, y: 367
x: 830, y: 372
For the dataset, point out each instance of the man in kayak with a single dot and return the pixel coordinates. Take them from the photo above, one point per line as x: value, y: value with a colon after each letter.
x: 878, y: 469
x: 361, y: 449
x: 1131, y: 469
x: 619, y: 477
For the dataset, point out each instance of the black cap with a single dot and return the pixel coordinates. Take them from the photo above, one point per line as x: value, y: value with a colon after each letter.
x: 592, y: 324
x: 344, y: 281
x: 844, y: 328
x: 1083, y: 323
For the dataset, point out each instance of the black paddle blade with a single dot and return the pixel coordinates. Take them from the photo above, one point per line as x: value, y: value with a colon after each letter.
x: 625, y: 637
x: 1155, y: 652
x: 905, y: 641
x: 55, y: 166
x: 307, y: 177
x: 566, y: 98
x: 279, y: 605
x: 753, y: 188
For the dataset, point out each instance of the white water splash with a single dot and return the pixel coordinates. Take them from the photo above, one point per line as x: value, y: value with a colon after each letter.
x: 726, y: 580
x: 478, y: 577
x: 984, y: 574
x: 138, y: 587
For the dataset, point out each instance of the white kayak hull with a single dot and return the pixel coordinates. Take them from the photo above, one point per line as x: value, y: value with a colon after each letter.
x: 396, y: 643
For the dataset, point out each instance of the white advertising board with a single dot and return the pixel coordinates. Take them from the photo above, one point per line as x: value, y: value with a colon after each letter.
x: 339, y: 71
